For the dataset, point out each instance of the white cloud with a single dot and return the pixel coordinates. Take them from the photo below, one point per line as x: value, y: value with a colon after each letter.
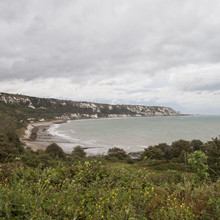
x: 196, y: 77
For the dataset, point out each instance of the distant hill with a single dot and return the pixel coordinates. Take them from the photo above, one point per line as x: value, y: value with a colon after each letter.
x: 32, y: 108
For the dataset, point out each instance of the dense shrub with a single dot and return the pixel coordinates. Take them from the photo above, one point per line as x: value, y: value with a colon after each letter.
x: 196, y: 145
x: 78, y: 152
x: 212, y: 148
x: 153, y: 153
x: 179, y: 146
x: 90, y: 190
x: 10, y: 145
x: 166, y: 149
x: 55, y: 151
x: 183, y: 157
x: 198, y: 161
x: 117, y: 152
x: 8, y: 126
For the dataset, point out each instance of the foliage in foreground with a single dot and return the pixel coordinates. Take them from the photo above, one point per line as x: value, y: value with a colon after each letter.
x: 198, y: 162
x: 91, y: 189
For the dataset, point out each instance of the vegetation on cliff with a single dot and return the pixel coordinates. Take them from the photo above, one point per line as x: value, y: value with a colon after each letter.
x: 33, y: 108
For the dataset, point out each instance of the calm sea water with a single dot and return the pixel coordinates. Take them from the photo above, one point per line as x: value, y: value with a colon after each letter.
x: 134, y: 134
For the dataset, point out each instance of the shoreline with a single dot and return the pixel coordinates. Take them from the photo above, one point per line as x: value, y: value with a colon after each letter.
x: 38, y: 138
x: 31, y: 134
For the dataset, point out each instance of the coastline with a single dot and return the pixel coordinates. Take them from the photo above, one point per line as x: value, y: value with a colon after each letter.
x: 38, y: 137
x: 31, y: 136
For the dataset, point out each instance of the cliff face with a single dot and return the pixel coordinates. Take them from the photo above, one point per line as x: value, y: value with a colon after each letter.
x: 63, y: 109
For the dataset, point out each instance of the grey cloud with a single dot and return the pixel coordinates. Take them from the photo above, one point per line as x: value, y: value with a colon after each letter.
x: 198, y: 87
x: 196, y: 78
x: 78, y: 39
x: 13, y: 10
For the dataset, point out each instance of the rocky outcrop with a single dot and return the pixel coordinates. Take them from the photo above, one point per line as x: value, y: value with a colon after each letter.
x: 64, y: 109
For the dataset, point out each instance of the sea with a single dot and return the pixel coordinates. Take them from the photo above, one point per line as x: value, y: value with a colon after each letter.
x: 96, y: 136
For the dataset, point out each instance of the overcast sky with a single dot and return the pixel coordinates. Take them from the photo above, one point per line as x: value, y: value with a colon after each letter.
x: 151, y: 52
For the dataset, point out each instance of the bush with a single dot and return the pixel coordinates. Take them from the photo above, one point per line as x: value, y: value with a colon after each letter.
x: 183, y: 157
x: 212, y: 148
x: 175, y: 160
x: 92, y: 190
x: 166, y: 150
x: 9, y: 149
x: 156, y: 162
x: 78, y: 152
x: 8, y: 126
x: 117, y: 152
x: 198, y: 162
x: 179, y: 146
x: 196, y: 145
x: 130, y: 161
x: 55, y: 151
x: 163, y: 166
x: 153, y: 153
x: 10, y: 145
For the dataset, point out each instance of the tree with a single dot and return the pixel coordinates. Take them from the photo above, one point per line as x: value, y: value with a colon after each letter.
x: 183, y: 157
x: 166, y: 149
x: 78, y: 152
x: 117, y: 152
x: 8, y: 126
x: 213, y: 147
x: 153, y: 153
x: 179, y: 146
x: 55, y: 151
x: 196, y: 145
x: 8, y: 149
x: 10, y: 145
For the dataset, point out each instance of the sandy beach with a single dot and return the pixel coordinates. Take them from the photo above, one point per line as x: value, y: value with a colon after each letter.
x: 37, y: 136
